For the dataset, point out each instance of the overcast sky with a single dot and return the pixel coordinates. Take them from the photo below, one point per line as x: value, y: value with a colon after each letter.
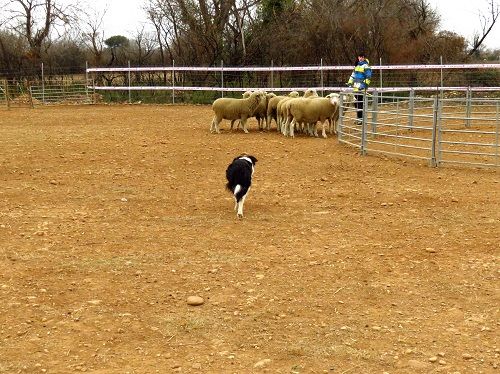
x: 460, y: 16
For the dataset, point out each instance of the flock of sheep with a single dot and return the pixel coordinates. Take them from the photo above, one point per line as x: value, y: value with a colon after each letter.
x: 290, y: 112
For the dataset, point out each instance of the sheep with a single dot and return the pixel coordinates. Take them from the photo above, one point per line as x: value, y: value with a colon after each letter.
x: 244, y: 95
x: 281, y: 113
x: 311, y: 111
x: 348, y: 100
x: 233, y: 109
x: 310, y: 93
x: 272, y: 106
x: 260, y: 112
x: 332, y: 121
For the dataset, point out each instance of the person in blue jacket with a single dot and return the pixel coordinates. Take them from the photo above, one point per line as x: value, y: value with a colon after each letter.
x: 360, y: 80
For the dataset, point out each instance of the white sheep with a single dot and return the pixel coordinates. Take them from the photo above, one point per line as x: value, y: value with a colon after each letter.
x: 310, y: 93
x: 235, y: 109
x: 260, y: 112
x: 272, y: 106
x: 281, y: 114
x: 311, y: 111
x: 348, y: 100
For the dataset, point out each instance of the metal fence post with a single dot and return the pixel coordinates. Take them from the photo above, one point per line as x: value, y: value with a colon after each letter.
x: 411, y: 109
x: 433, y: 162
x: 272, y: 74
x: 442, y: 84
x: 7, y: 96
x: 321, y: 77
x: 363, y: 125
x: 43, y: 86
x: 340, y: 123
x: 86, y: 80
x: 497, y: 134
x: 222, y: 77
x: 173, y: 82
x: 468, y: 107
x: 129, y: 81
x: 380, y: 64
x: 374, y: 111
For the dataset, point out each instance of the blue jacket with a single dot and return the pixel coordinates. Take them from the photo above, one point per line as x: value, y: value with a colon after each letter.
x: 361, y: 76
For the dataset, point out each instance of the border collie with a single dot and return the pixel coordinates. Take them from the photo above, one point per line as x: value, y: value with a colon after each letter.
x: 239, y: 179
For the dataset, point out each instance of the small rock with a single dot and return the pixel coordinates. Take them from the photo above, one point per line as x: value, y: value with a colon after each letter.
x: 262, y: 363
x: 467, y: 356
x: 430, y: 250
x: 415, y: 364
x: 124, y: 199
x: 433, y: 359
x: 195, y: 300
x: 94, y: 302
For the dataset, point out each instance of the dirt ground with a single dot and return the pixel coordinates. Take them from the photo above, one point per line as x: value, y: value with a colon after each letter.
x: 112, y: 216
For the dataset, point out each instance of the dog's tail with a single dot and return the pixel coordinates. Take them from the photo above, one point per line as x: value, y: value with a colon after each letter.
x: 236, y: 190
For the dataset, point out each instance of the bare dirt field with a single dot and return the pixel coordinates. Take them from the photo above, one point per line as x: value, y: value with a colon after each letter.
x: 112, y: 216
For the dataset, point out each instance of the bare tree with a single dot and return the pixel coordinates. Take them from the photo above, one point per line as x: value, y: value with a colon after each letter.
x: 92, y: 34
x: 36, y: 20
x: 143, y: 47
x: 487, y: 23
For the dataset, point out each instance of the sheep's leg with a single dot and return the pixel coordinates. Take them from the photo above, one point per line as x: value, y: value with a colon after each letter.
x: 215, y: 125
x: 323, y: 124
x: 285, y: 128
x: 315, y: 128
x: 292, y: 125
x: 268, y: 122
x: 244, y: 125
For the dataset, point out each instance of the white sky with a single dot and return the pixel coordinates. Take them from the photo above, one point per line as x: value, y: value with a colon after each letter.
x: 124, y: 17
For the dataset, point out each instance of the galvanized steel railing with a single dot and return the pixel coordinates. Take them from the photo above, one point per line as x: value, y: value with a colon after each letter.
x: 464, y: 131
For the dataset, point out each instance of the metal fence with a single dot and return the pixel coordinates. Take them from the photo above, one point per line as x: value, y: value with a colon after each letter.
x: 22, y: 93
x: 438, y: 130
x: 180, y: 84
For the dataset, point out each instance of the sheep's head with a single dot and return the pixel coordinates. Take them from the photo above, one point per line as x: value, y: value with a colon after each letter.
x: 348, y: 98
x: 310, y: 92
x: 246, y: 94
x: 294, y: 94
x: 333, y: 94
x: 256, y: 98
x: 334, y: 98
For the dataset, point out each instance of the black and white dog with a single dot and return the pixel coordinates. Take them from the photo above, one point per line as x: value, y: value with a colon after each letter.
x: 239, y: 179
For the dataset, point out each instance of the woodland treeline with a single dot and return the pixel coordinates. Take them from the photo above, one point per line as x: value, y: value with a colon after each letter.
x: 64, y: 37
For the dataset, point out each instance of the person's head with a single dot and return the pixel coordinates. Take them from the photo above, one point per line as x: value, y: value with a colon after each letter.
x: 361, y: 56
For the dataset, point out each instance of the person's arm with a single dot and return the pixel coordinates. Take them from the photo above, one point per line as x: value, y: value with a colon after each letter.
x: 368, y: 75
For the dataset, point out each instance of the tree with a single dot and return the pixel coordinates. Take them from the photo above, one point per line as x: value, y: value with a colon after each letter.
x: 487, y: 23
x: 92, y: 34
x: 113, y: 43
x: 36, y: 20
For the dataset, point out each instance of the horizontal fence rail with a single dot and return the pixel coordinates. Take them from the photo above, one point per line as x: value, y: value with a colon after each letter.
x: 188, y: 84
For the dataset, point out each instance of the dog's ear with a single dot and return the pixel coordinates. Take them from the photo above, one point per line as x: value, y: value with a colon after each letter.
x: 254, y: 160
